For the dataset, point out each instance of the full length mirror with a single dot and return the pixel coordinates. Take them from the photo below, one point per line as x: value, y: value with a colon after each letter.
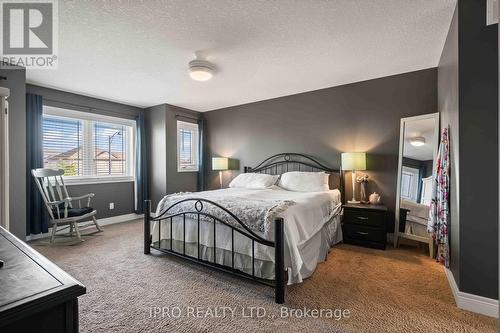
x: 417, y: 154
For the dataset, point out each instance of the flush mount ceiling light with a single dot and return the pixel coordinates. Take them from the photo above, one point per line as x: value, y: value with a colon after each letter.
x: 201, y: 70
x: 417, y: 141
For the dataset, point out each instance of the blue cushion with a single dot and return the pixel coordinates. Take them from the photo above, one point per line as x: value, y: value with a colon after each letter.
x: 72, y: 212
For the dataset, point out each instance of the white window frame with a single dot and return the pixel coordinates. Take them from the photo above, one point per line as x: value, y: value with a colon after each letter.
x: 196, y: 141
x: 131, y: 134
x: 413, y: 183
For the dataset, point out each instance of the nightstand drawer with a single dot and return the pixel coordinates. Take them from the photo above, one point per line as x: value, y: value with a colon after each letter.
x: 364, y: 233
x: 363, y: 217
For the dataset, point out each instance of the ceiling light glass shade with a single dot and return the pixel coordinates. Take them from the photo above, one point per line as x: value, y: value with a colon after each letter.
x: 200, y: 74
x: 353, y: 161
x: 201, y: 70
x: 417, y: 141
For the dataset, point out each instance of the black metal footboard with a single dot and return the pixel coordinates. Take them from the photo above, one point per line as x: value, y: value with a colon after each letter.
x: 165, y: 220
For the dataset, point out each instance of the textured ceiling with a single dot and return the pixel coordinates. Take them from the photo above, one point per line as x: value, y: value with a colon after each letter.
x: 137, y: 52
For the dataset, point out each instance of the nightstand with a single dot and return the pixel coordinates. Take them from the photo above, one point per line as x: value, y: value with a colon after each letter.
x: 365, y: 225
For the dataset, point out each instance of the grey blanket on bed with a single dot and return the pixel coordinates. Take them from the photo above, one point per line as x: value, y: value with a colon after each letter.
x: 256, y: 214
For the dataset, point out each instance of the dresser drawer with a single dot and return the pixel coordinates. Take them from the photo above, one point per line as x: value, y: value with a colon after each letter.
x: 362, y: 233
x: 365, y: 218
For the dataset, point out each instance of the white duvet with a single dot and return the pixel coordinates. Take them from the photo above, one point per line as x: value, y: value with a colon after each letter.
x: 304, y: 227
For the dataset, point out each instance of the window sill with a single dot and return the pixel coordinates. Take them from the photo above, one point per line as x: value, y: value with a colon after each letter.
x: 184, y: 170
x: 97, y: 180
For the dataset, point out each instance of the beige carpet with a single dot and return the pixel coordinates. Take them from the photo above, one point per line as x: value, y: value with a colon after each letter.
x: 385, y: 291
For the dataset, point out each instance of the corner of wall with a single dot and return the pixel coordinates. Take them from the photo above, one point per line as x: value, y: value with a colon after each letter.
x: 478, y: 304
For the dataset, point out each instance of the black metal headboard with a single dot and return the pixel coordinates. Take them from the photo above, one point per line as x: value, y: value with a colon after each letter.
x: 284, y: 162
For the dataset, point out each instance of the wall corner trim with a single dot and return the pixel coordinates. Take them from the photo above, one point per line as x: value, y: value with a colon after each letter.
x: 471, y: 302
x: 102, y: 222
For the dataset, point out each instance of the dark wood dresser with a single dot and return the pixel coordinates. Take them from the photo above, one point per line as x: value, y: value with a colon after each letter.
x: 35, y: 294
x: 365, y: 225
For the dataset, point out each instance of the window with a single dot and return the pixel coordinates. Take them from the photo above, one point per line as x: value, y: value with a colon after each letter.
x: 187, y: 146
x: 110, y: 153
x: 62, y: 144
x: 409, y: 183
x: 88, y: 147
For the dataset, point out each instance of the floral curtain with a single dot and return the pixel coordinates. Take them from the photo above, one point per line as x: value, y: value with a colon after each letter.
x: 439, y: 210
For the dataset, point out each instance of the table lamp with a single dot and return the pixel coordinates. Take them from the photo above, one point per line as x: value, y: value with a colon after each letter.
x: 353, y: 162
x: 220, y: 164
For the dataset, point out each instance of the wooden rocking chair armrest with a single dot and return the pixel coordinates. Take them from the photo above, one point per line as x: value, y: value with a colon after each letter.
x: 57, y: 203
x: 88, y: 196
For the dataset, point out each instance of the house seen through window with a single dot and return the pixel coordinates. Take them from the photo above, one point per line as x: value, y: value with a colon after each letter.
x: 86, y: 145
x: 187, y: 146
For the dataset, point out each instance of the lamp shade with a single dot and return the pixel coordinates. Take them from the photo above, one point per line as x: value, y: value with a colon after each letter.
x: 220, y: 163
x: 353, y: 161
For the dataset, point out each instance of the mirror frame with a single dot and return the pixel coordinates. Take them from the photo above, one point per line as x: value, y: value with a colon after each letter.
x: 435, y: 116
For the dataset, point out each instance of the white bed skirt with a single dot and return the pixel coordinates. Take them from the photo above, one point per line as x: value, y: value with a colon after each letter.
x: 312, y: 251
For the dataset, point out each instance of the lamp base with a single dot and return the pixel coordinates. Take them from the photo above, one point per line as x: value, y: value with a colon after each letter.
x: 353, y: 178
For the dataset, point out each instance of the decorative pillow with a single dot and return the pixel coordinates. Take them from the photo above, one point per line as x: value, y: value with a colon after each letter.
x: 300, y: 181
x: 254, y: 181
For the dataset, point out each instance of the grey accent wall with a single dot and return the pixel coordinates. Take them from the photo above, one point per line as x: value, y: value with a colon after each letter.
x: 17, y: 153
x: 448, y: 107
x: 425, y: 166
x: 478, y: 136
x: 161, y: 131
x: 156, y: 151
x: 363, y: 116
x: 178, y: 181
x: 468, y: 101
x: 59, y: 98
x: 121, y: 194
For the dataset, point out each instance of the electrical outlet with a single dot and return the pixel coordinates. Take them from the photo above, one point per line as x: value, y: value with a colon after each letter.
x: 111, y: 205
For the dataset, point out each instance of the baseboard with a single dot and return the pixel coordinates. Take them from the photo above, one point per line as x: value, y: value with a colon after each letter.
x: 471, y: 302
x: 119, y: 219
x: 102, y: 222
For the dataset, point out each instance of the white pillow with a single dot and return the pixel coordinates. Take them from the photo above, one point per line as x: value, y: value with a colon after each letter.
x: 254, y: 181
x: 300, y: 181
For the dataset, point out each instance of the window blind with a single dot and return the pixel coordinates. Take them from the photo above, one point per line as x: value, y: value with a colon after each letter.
x: 187, y: 146
x: 87, y: 148
x: 186, y: 149
x: 63, y: 144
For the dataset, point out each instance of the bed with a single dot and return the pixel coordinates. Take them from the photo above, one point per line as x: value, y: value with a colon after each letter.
x: 272, y: 235
x: 416, y: 218
x: 413, y: 220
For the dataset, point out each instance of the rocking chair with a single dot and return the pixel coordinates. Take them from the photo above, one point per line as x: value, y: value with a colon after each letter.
x: 60, y: 205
